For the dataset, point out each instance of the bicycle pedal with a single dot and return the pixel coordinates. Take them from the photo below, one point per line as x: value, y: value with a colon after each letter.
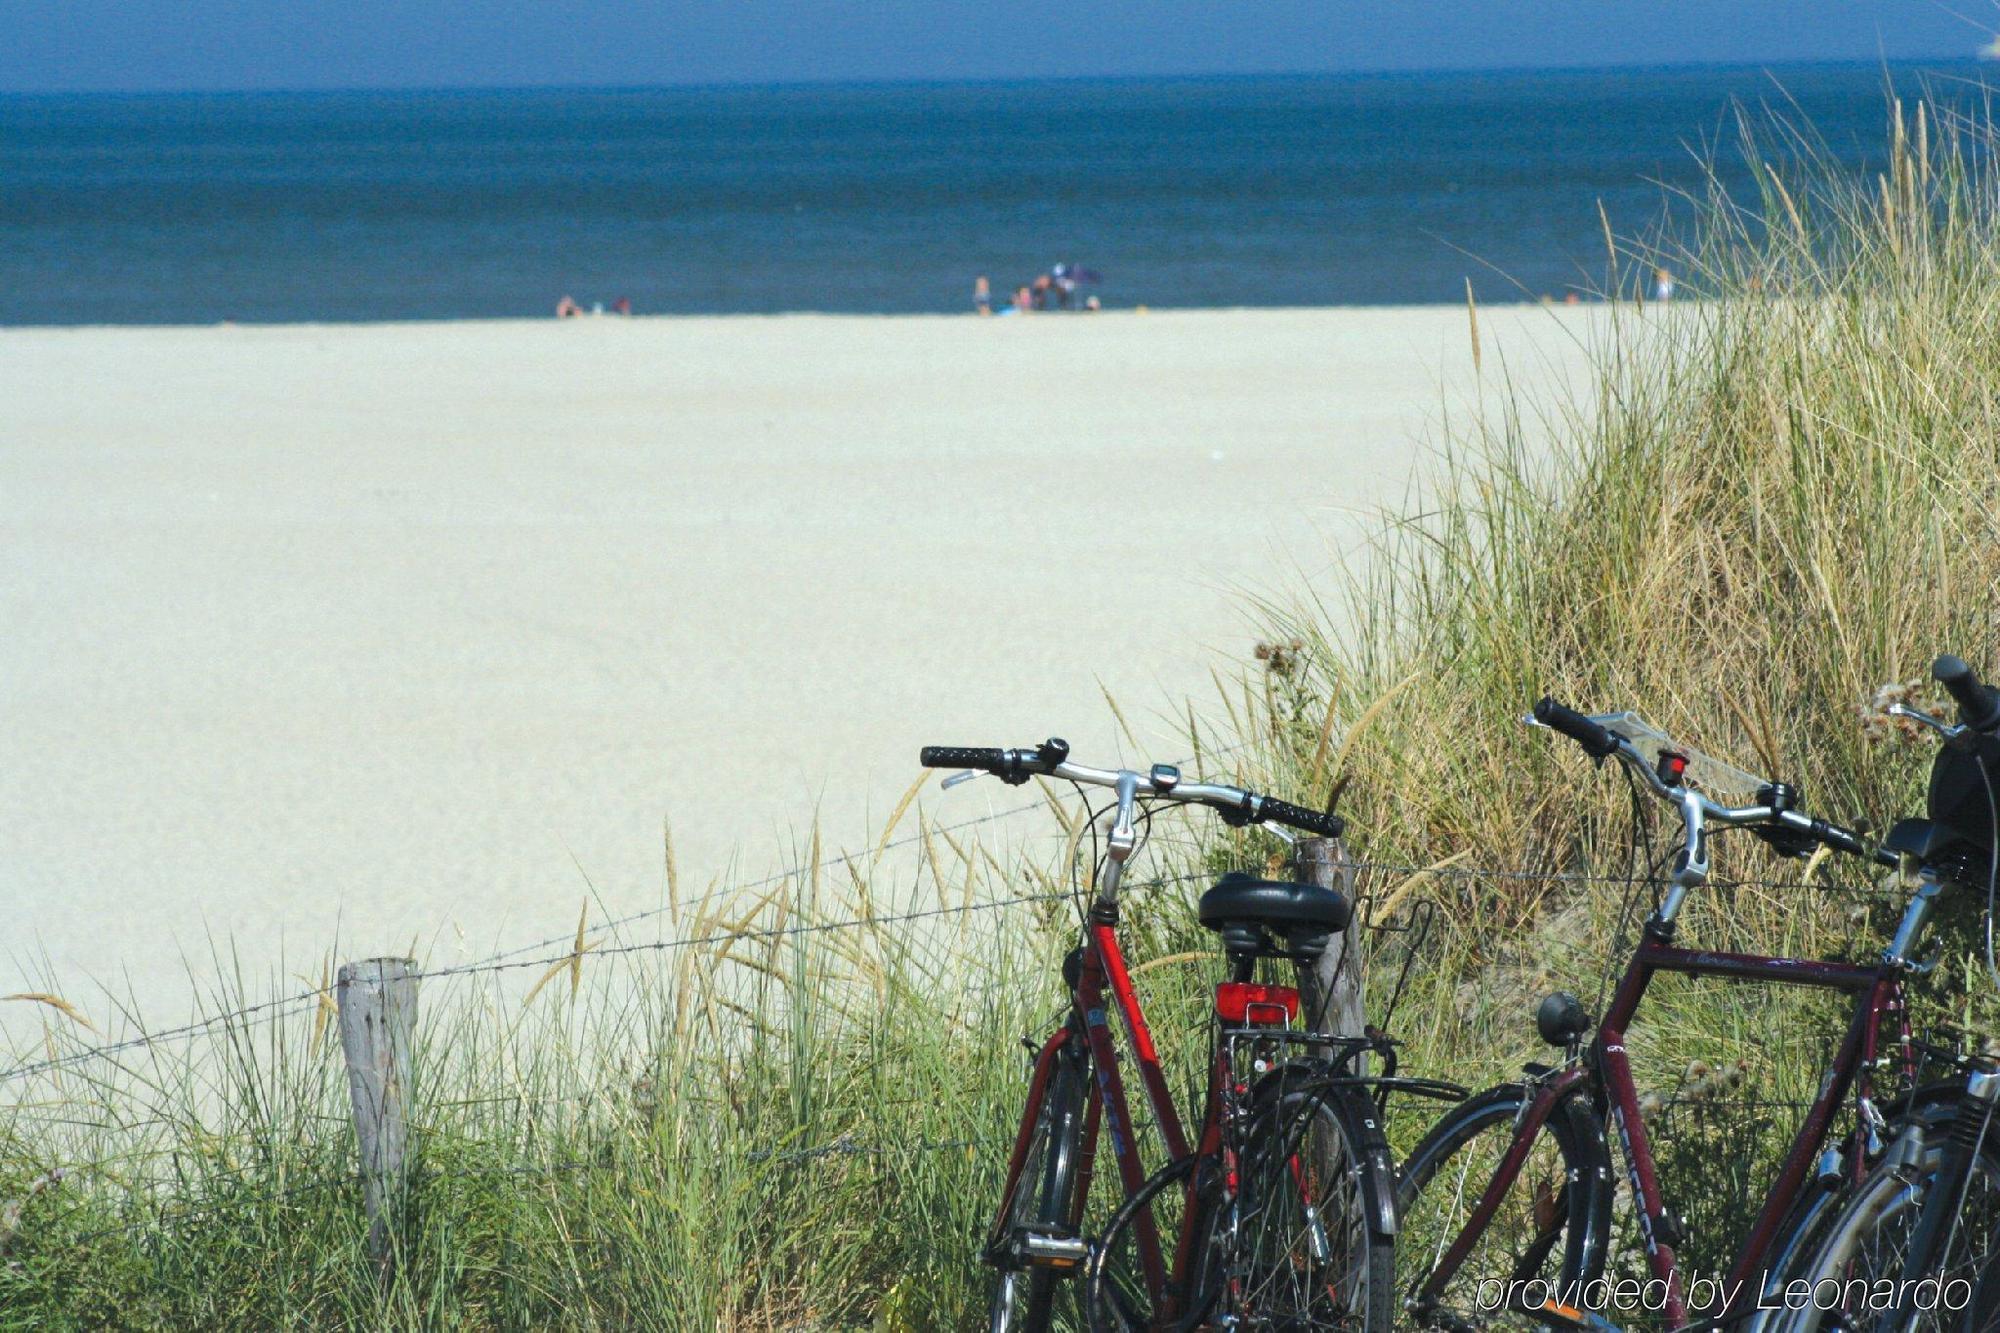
x: 1063, y: 1253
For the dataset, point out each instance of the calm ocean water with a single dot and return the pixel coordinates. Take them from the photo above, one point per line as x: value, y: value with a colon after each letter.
x: 1282, y: 191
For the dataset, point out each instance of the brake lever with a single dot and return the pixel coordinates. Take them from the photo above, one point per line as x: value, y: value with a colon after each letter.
x: 1784, y: 841
x: 965, y: 776
x: 1919, y: 716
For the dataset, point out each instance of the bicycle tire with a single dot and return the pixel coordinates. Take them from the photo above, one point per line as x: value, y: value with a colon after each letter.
x: 1987, y: 1297
x: 1567, y: 1225
x: 1024, y: 1297
x: 1310, y: 1266
x: 1229, y: 1278
x: 1817, y: 1209
x: 1115, y: 1298
x: 1867, y: 1243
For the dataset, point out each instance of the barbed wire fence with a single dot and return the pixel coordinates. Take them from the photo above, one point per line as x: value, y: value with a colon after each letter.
x: 513, y: 959
x: 545, y: 955
x: 301, y: 1001
x: 310, y: 998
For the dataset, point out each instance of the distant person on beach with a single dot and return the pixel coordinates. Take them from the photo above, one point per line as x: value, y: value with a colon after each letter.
x: 1663, y: 285
x: 1064, y: 280
x: 1024, y: 300
x: 567, y: 308
x: 1043, y: 286
x: 1092, y: 304
x: 982, y: 295
x: 622, y: 306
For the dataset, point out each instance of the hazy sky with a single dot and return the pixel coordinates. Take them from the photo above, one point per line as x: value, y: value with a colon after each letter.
x: 218, y: 44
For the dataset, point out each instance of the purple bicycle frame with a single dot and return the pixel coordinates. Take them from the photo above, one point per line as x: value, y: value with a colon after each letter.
x: 1878, y: 992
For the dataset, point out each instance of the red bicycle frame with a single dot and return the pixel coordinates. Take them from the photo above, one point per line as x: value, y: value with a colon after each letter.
x: 1103, y: 965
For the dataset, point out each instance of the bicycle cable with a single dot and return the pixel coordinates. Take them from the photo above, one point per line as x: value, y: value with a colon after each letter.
x: 1143, y: 834
x: 1076, y: 889
x: 1641, y: 831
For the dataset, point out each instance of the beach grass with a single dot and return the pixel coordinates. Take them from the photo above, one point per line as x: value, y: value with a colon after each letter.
x: 1773, y: 503
x: 1771, y: 510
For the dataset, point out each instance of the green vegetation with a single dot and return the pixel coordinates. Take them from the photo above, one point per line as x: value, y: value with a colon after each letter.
x: 1770, y: 504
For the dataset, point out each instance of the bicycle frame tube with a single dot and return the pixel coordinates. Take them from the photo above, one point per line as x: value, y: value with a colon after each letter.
x: 1530, y: 1124
x: 1877, y: 991
x: 1104, y: 961
x: 1875, y: 988
x: 1105, y: 938
x: 1038, y: 1088
x: 1086, y: 1164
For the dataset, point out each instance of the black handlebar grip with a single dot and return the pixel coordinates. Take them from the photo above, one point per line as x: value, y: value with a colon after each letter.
x: 987, y: 758
x: 1595, y: 740
x: 1316, y: 822
x: 1838, y: 838
x: 1978, y: 705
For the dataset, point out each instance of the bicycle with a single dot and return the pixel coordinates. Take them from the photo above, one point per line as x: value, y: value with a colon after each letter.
x: 1280, y: 1214
x: 1917, y: 1246
x: 1548, y: 1134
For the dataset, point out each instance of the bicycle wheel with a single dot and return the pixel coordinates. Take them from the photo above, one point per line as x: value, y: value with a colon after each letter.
x: 1550, y: 1226
x: 1987, y: 1298
x: 1816, y: 1211
x: 1024, y: 1296
x: 1868, y: 1245
x: 1312, y: 1245
x: 1118, y: 1296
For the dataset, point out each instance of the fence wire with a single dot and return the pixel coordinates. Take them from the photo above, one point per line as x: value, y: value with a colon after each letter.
x: 512, y: 960
x: 1673, y: 1104
x: 277, y: 1008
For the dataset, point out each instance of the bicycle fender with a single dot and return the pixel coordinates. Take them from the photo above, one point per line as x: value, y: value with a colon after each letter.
x: 1380, y: 1164
x: 1377, y: 1161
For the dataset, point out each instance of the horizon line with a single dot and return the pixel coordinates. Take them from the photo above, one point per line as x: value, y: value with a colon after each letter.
x: 752, y: 85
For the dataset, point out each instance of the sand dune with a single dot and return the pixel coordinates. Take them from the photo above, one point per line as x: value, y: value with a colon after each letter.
x: 419, y: 631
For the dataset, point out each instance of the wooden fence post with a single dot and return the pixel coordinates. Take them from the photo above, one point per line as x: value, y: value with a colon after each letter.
x: 378, y: 1013
x: 1338, y: 983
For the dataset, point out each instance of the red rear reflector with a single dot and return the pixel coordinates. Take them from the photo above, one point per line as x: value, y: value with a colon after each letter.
x: 1249, y: 1002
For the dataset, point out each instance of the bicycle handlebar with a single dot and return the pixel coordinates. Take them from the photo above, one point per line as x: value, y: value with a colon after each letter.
x: 984, y: 757
x: 1978, y: 705
x: 1597, y: 741
x: 1839, y: 839
x: 1318, y: 822
x: 1696, y: 809
x: 1162, y: 782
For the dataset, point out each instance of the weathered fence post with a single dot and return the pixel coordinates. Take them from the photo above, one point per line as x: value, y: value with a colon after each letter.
x: 378, y: 1013
x: 1337, y: 981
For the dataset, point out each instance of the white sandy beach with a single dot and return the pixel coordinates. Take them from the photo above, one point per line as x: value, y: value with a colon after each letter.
x: 419, y: 631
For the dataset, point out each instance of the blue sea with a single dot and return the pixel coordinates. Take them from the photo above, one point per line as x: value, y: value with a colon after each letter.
x: 1196, y: 192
